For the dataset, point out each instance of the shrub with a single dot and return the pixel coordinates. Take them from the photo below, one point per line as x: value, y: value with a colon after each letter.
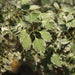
x: 42, y: 34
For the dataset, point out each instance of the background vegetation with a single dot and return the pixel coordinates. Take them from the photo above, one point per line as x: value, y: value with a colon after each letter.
x: 39, y: 32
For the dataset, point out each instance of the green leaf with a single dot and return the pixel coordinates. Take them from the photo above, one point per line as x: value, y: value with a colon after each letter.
x: 22, y: 24
x: 69, y: 17
x: 34, y: 17
x: 51, y: 14
x: 45, y: 15
x: 60, y: 21
x: 25, y: 39
x: 39, y: 45
x: 24, y: 1
x: 5, y: 60
x: 64, y: 41
x: 5, y: 32
x: 7, y: 67
x: 66, y: 8
x: 34, y: 7
x: 71, y: 24
x: 56, y: 59
x: 49, y: 25
x: 45, y: 35
x: 49, y: 66
x: 11, y: 35
x: 56, y: 5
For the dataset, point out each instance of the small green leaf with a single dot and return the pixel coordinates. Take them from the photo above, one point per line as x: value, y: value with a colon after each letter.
x: 34, y: 17
x: 25, y: 39
x: 69, y: 17
x: 66, y: 8
x: 64, y: 41
x: 24, y: 1
x: 45, y: 35
x: 51, y: 14
x: 56, y: 5
x: 7, y: 67
x: 39, y: 45
x: 71, y: 24
x: 22, y: 24
x: 45, y: 15
x: 49, y: 66
x: 49, y: 25
x: 10, y: 35
x: 34, y: 7
x: 5, y: 60
x: 60, y: 21
x: 5, y: 32
x: 56, y: 59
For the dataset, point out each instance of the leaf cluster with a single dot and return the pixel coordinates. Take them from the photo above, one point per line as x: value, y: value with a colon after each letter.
x: 41, y: 33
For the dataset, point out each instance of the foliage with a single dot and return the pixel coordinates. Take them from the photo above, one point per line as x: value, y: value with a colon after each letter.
x: 43, y: 33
